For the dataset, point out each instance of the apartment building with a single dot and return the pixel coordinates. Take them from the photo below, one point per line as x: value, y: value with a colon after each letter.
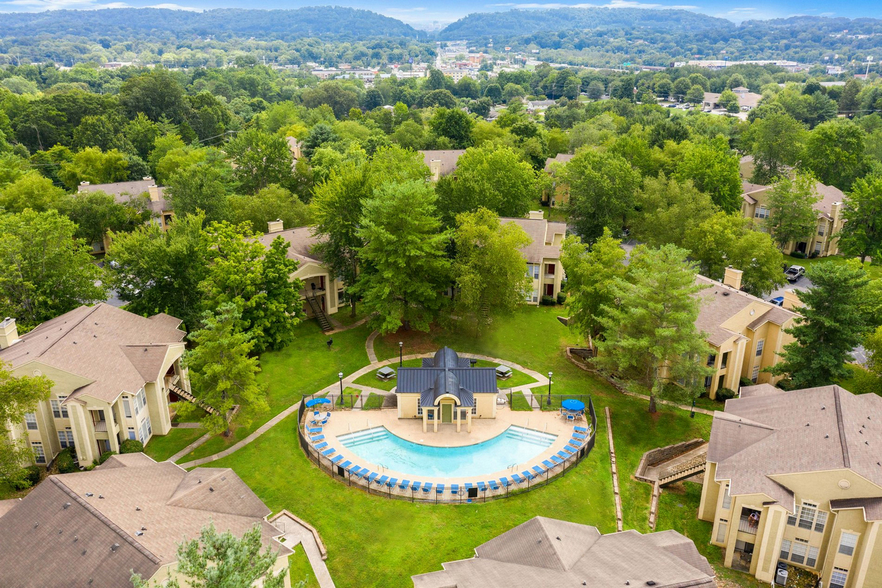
x: 796, y: 478
x: 542, y: 254
x: 823, y: 240
x: 558, y: 194
x: 441, y: 162
x: 113, y: 372
x: 126, y: 516
x: 746, y: 333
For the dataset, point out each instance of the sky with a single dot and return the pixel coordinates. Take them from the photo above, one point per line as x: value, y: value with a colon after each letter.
x: 424, y: 14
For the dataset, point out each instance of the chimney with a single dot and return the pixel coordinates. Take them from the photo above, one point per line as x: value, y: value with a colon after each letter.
x: 435, y: 169
x: 791, y: 300
x: 732, y: 277
x: 153, y: 192
x: 535, y: 215
x: 8, y: 333
x: 276, y: 226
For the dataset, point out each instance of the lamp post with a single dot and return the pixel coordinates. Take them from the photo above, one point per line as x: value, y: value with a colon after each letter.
x: 340, y: 375
x: 548, y: 403
x: 400, y: 353
x: 692, y: 412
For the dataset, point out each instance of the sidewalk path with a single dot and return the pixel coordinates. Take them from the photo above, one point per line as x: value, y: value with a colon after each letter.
x: 190, y: 447
x: 369, y: 346
x: 295, y: 533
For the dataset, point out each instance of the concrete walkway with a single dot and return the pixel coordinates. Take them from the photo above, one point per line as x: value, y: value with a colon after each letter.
x: 340, y: 327
x: 190, y: 447
x: 295, y: 533
x: 186, y: 425
x: 369, y: 346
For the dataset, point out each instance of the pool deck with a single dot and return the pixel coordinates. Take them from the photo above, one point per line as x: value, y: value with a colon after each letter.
x: 344, y: 422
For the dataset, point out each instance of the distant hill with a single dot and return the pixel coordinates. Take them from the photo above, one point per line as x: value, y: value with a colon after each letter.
x: 316, y: 21
x: 527, y: 22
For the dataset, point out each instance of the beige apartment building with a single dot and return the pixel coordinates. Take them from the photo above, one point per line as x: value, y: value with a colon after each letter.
x: 823, y: 240
x: 796, y: 478
x: 113, y: 373
x: 746, y: 333
x: 542, y: 254
x: 558, y: 193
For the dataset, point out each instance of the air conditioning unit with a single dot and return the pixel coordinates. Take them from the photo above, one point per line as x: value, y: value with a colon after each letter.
x: 781, y: 574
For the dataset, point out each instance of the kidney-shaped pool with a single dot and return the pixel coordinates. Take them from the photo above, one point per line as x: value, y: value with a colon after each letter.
x: 379, y: 446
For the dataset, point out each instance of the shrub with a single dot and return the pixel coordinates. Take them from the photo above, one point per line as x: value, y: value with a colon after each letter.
x: 561, y: 297
x: 65, y: 462
x: 814, y: 254
x: 31, y: 477
x: 131, y: 446
x: 547, y: 301
x: 105, y: 456
x: 725, y: 394
x: 798, y: 255
x: 745, y: 381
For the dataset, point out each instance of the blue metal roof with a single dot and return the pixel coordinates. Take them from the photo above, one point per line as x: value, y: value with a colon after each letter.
x: 446, y: 373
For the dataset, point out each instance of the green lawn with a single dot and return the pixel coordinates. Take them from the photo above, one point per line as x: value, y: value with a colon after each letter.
x: 518, y: 378
x: 373, y: 402
x: 399, y: 538
x: 519, y: 401
x: 874, y: 270
x: 162, y: 447
x: 302, y: 368
x: 300, y: 570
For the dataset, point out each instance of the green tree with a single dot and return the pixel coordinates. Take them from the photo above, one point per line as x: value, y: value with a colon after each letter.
x: 157, y: 94
x: 94, y: 166
x: 665, y: 210
x: 848, y: 101
x: 222, y: 373
x: 339, y: 96
x: 729, y: 101
x: 162, y: 146
x: 861, y: 235
x: 406, y: 268
x: 834, y: 153
x: 160, y: 271
x: 260, y: 159
x: 269, y: 204
x: 492, y: 177
x: 222, y: 560
x: 831, y: 324
x: 792, y: 216
x: 776, y: 142
x: 44, y: 270
x: 713, y: 168
x: 591, y: 276
x: 649, y: 331
x: 30, y: 191
x: 18, y: 395
x: 96, y: 213
x: 602, y: 188
x: 141, y: 132
x: 595, y: 90
x: 489, y: 269
x: 201, y: 186
x: 456, y: 125
x: 282, y: 310
x: 695, y: 95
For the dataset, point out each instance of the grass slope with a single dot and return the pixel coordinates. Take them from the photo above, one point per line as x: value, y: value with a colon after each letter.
x: 163, y: 447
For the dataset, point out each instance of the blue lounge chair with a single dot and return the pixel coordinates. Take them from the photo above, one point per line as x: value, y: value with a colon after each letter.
x: 539, y: 471
x: 454, y: 488
x: 328, y: 451
x: 345, y: 465
x: 556, y: 460
x: 504, y: 481
x: 569, y: 452
x: 579, y: 436
x: 528, y: 475
x: 517, y: 478
x: 314, y: 430
x: 360, y: 472
x: 404, y: 484
x: 354, y: 468
x: 548, y: 465
x: 415, y: 486
x: 482, y: 486
x: 427, y: 487
x: 562, y: 455
x: 391, y: 483
x: 373, y: 476
x: 571, y: 418
x: 381, y: 480
x: 336, y: 459
x: 468, y: 486
x: 317, y: 438
x: 494, y: 485
x: 439, y: 489
x: 364, y: 473
x: 580, y: 429
x: 321, y: 445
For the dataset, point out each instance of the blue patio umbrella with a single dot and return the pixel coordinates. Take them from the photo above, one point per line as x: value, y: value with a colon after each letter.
x: 314, y: 401
x: 573, y: 404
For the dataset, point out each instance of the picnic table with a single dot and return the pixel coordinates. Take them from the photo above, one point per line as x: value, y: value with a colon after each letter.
x: 503, y: 372
x: 385, y: 373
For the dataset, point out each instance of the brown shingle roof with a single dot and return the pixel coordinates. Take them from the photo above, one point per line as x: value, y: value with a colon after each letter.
x: 561, y: 158
x: 542, y: 232
x: 549, y: 552
x: 872, y: 507
x: 102, y: 344
x: 764, y: 434
x: 130, y: 495
x: 300, y: 243
x: 123, y: 192
x: 447, y: 157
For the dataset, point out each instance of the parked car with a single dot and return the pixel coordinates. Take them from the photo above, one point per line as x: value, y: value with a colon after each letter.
x: 793, y: 273
x: 777, y: 301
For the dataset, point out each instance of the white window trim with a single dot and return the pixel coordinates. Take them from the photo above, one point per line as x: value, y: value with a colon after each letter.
x: 31, y: 419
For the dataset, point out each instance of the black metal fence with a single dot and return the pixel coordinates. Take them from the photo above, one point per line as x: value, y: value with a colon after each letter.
x: 465, y: 495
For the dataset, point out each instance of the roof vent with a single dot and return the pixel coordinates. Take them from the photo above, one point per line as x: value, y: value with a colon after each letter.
x: 210, y: 489
x: 724, y: 294
x: 36, y: 525
x: 66, y: 505
x: 101, y: 496
x: 89, y: 494
x: 558, y: 538
x: 60, y: 531
x: 137, y: 508
x: 823, y: 408
x: 84, y: 552
x: 143, y: 528
x: 139, y: 533
x: 826, y: 436
x: 114, y: 547
x: 76, y: 538
x: 808, y: 424
x: 650, y: 582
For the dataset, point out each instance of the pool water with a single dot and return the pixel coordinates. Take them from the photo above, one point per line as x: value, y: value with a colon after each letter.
x: 515, y: 445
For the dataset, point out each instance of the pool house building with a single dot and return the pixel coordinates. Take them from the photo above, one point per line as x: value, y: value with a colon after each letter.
x: 446, y: 389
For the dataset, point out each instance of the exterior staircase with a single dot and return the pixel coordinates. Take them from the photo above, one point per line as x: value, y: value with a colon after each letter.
x: 181, y: 393
x: 318, y: 313
x: 694, y: 466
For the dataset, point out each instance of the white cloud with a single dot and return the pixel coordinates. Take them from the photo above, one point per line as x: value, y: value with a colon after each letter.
x: 611, y: 4
x: 39, y: 5
x: 170, y: 6
x: 416, y: 9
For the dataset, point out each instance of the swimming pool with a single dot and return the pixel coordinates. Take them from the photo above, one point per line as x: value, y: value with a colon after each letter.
x: 515, y: 445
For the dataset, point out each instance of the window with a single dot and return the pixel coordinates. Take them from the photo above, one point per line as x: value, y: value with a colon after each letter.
x: 31, y: 421
x: 549, y: 269
x: 725, y: 361
x: 132, y: 433
x: 419, y: 408
x: 127, y: 407
x: 755, y: 375
x: 711, y: 360
x: 820, y: 521
x: 759, y: 347
x: 821, y: 229
x: 475, y: 409
x: 59, y: 411
x: 847, y: 543
x: 791, y: 519
x: 533, y: 270
x: 807, y: 515
x: 707, y: 381
x: 812, y: 558
x: 66, y: 438
x: 838, y: 578
x: 785, y: 549
x: 761, y: 212
x: 39, y: 454
x: 727, y: 499
x: 140, y: 401
x: 145, y: 430
x: 721, y: 531
x: 798, y: 553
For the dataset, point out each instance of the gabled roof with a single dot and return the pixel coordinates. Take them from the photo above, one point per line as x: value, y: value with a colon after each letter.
x: 560, y: 158
x: 58, y: 531
x: 549, y: 552
x: 448, y: 159
x: 300, y: 243
x: 112, y: 349
x: 446, y: 374
x: 541, y: 232
x: 764, y: 435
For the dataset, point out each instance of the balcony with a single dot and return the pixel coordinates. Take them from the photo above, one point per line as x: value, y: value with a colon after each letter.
x: 100, y: 426
x: 745, y: 525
